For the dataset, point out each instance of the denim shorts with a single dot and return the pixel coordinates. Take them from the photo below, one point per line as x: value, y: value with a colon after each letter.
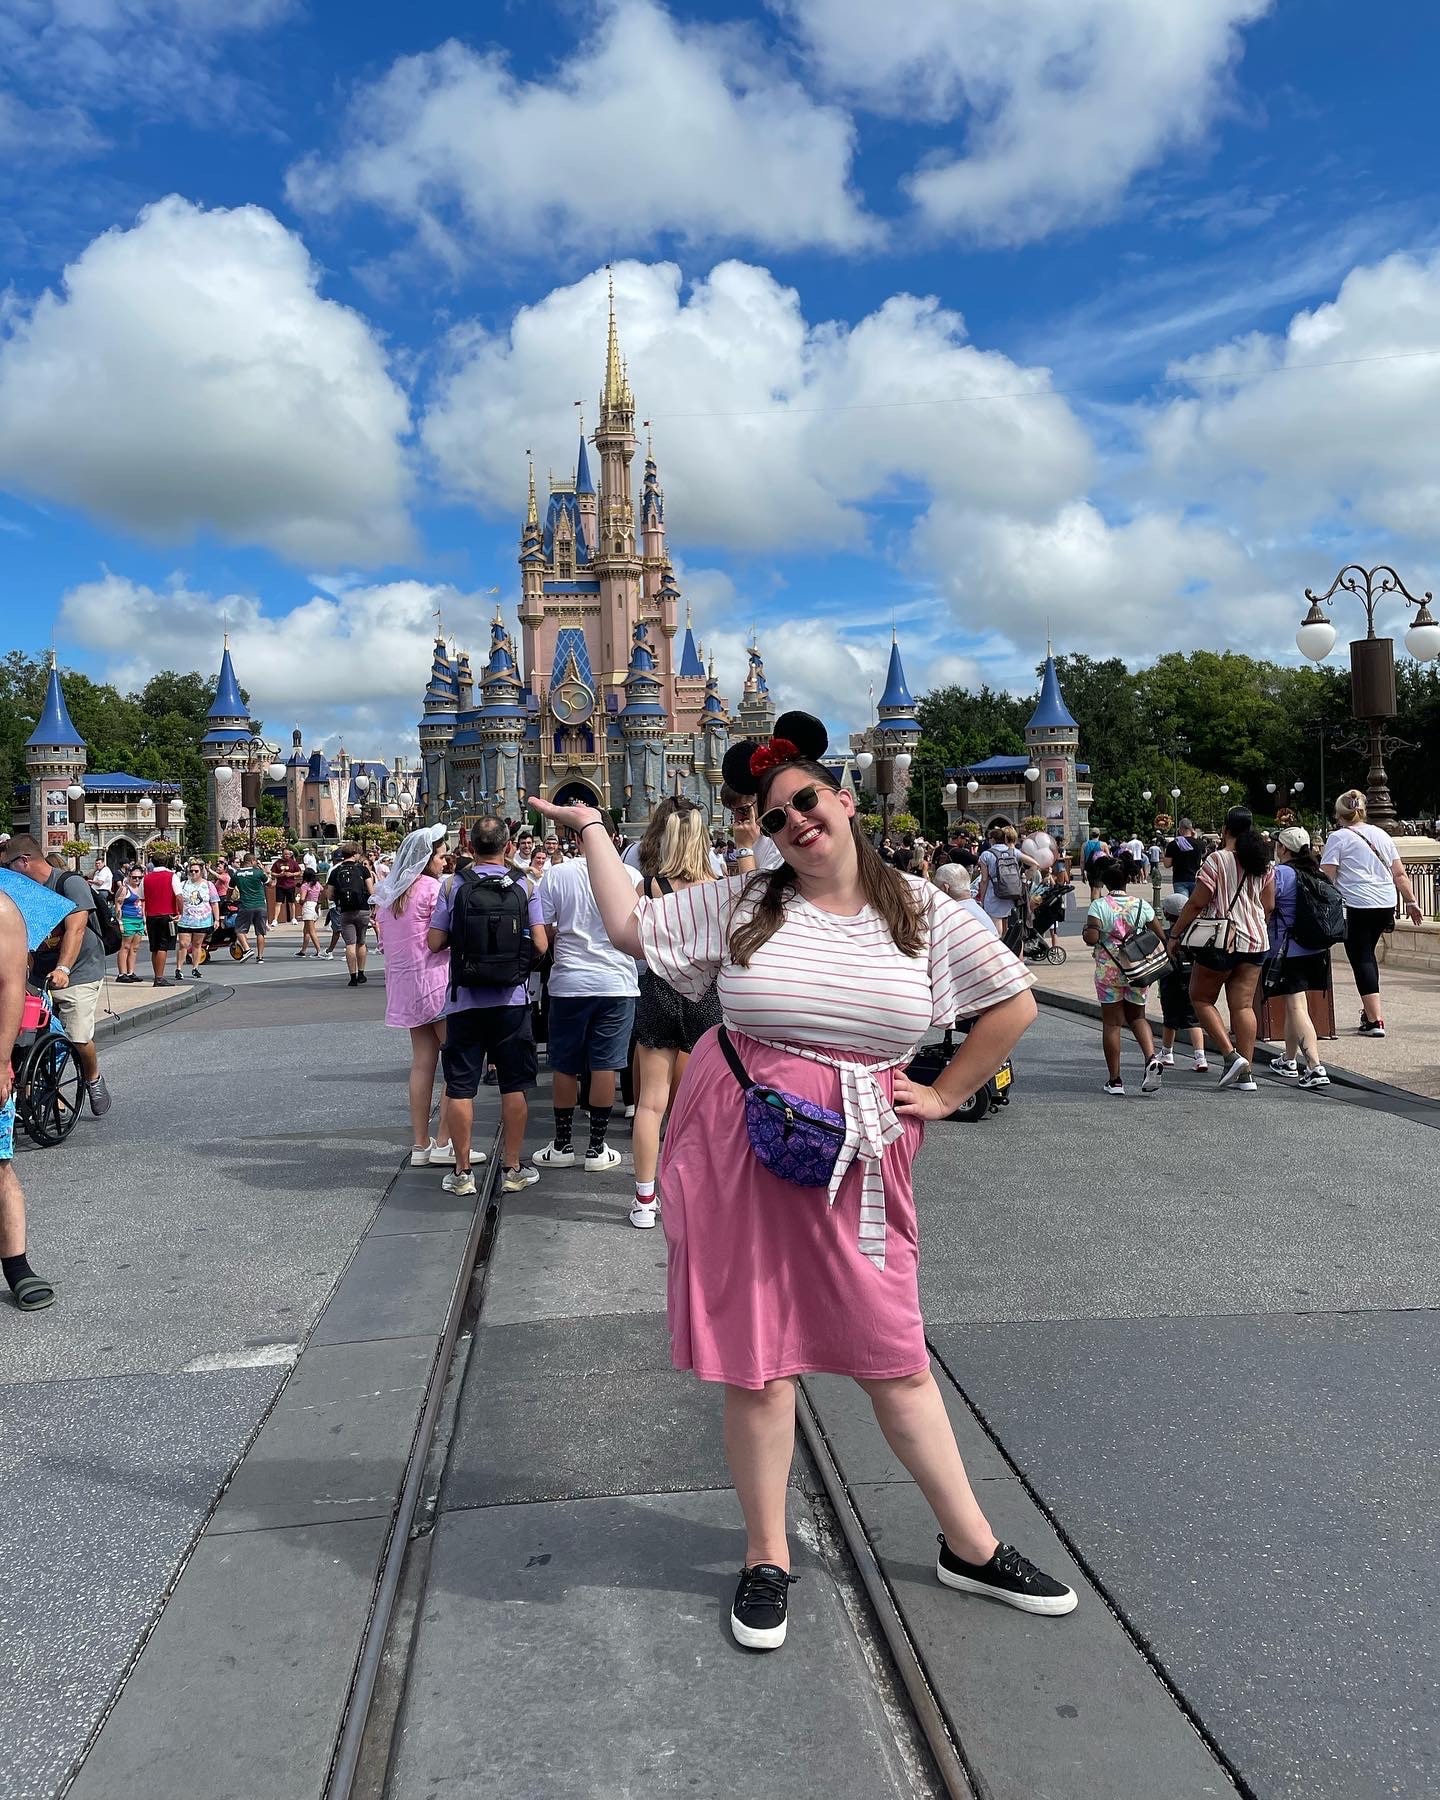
x: 590, y: 1032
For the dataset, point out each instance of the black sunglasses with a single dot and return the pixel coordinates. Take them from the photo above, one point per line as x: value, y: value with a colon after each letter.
x: 804, y: 800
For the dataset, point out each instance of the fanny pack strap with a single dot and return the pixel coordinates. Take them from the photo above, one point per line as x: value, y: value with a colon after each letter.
x: 737, y: 1068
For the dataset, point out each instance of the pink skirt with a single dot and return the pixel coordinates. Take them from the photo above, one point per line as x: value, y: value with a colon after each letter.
x: 765, y: 1278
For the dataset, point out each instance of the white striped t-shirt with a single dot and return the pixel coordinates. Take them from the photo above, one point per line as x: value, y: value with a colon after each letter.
x: 834, y: 983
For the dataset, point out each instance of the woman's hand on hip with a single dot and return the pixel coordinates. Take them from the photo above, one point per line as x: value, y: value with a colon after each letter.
x: 918, y: 1100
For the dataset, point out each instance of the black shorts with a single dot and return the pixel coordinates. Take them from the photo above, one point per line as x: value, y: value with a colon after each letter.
x: 1299, y: 974
x: 160, y: 931
x: 1176, y: 1012
x: 500, y: 1032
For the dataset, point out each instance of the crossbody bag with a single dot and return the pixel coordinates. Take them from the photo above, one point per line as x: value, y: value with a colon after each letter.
x: 1211, y: 941
x: 793, y: 1138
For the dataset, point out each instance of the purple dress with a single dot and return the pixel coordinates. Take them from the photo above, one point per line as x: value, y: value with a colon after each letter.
x: 417, y: 978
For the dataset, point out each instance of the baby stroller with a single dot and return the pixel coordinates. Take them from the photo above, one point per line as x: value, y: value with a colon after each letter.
x: 1048, y: 912
x: 48, y: 1084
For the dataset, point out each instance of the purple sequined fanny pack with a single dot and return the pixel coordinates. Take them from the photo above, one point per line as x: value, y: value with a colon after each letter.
x: 795, y: 1139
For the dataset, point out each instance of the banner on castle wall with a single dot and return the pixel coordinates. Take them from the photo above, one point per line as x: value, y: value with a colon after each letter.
x: 1052, y: 777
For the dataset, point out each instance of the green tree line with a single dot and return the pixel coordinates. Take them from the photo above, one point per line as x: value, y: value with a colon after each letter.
x: 153, y: 733
x: 1194, y: 721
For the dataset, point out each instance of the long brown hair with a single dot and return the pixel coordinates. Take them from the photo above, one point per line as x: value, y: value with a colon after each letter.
x: 884, y: 888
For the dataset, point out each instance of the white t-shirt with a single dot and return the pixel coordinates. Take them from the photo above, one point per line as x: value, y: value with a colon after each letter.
x: 1136, y: 849
x: 103, y: 878
x: 587, y: 965
x: 1362, y: 856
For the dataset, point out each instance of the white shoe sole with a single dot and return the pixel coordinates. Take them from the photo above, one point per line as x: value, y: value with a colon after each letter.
x: 751, y: 1639
x: 564, y: 1159
x: 443, y: 1158
x: 419, y: 1159
x: 1031, y: 1603
x: 1113, y: 1093
x: 510, y: 1186
x: 1237, y: 1071
x: 642, y: 1217
x: 597, y: 1165
x: 1152, y: 1082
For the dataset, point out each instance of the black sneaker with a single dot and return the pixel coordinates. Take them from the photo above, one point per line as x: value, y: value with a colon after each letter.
x: 757, y: 1616
x: 1008, y: 1576
x: 354, y: 981
x: 1372, y: 1027
x: 362, y: 978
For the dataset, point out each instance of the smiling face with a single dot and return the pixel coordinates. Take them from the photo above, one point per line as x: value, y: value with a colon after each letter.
x: 818, y: 842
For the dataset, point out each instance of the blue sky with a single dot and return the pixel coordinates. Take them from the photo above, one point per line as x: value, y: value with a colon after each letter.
x: 1090, y: 317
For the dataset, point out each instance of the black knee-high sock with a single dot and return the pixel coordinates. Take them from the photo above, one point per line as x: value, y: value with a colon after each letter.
x: 599, y: 1125
x: 15, y: 1269
x: 564, y: 1121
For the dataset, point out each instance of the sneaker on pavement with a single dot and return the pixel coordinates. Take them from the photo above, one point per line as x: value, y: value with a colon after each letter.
x: 1202, y: 1067
x: 354, y: 981
x: 1247, y: 1083
x: 1153, y: 1076
x: 1287, y: 1071
x: 1372, y: 1028
x: 194, y: 974
x: 362, y: 978
x: 419, y: 1155
x: 327, y: 956
x: 250, y: 956
x: 1236, y: 1070
x: 1114, y: 1087
x: 515, y: 1179
x: 603, y: 1158
x: 100, y: 1101
x: 1008, y: 1576
x: 1315, y: 1077
x: 553, y: 1157
x: 757, y: 1614
x: 642, y: 1215
x: 459, y: 1181
x: 1167, y: 1059
x: 442, y: 1153
x: 629, y: 1112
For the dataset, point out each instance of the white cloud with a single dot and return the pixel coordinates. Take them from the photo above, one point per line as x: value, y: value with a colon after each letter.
x: 190, y: 377
x: 771, y: 431
x: 1063, y: 101
x: 1282, y: 444
x: 649, y: 127
x: 155, y: 57
x: 350, y: 663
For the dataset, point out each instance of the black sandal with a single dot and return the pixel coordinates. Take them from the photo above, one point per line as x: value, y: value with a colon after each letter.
x: 33, y: 1294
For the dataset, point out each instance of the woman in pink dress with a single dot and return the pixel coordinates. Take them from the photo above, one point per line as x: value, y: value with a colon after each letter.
x: 831, y: 968
x: 416, y: 977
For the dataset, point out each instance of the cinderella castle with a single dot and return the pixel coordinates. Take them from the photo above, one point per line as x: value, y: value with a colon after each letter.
x: 596, y: 706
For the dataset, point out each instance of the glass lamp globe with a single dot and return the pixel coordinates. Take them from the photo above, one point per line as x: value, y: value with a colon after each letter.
x: 1174, y: 793
x: 1422, y: 640
x: 1316, y: 637
x: 902, y: 762
x: 75, y: 791
x: 145, y: 806
x: 863, y: 761
x: 1032, y: 773
x: 1269, y: 787
x: 223, y: 772
x: 952, y: 792
x: 972, y: 786
x: 1147, y: 794
x: 276, y: 771
x: 1297, y: 787
x: 1224, y: 787
x: 362, y: 784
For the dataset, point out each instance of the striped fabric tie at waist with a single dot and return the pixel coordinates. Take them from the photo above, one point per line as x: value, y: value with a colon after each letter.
x: 871, y: 1123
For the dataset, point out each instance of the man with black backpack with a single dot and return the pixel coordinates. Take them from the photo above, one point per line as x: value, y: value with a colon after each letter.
x: 349, y: 889
x: 483, y: 919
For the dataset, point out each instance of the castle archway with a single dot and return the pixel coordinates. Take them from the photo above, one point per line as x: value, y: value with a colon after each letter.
x: 576, y: 793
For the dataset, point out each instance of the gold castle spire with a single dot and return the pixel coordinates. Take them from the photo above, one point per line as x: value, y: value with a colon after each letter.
x: 617, y: 393
x: 532, y: 512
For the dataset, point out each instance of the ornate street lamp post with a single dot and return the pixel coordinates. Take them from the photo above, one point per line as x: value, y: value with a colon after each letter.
x: 252, y: 779
x: 1372, y: 664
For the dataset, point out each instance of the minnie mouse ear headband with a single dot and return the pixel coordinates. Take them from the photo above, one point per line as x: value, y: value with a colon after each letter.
x: 797, y: 735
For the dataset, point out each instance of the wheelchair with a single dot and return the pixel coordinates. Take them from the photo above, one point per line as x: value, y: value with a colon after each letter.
x: 49, y: 1087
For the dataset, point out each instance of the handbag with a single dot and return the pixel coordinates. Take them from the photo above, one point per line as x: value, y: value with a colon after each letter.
x: 795, y: 1139
x: 1211, y: 941
x: 1141, y: 957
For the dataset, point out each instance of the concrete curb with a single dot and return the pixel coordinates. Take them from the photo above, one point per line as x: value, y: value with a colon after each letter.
x: 116, y: 1024
x: 1090, y: 1009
